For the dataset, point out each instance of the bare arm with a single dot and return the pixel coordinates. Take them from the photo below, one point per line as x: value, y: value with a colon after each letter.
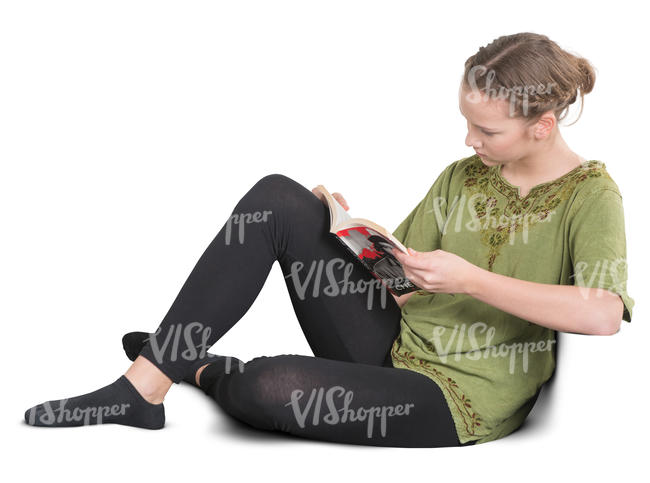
x: 566, y: 308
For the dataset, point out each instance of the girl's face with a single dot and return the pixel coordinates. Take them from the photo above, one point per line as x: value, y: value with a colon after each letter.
x: 497, y: 137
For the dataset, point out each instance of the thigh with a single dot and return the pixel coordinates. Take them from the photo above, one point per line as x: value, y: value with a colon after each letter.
x: 343, y: 310
x: 338, y: 401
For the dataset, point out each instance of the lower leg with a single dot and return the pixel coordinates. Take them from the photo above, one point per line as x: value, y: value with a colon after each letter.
x: 335, y: 401
x: 229, y: 275
x: 145, y: 380
x: 343, y: 312
x: 197, y: 376
x: 133, y: 342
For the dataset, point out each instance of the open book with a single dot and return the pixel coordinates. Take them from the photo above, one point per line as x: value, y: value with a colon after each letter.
x: 369, y: 242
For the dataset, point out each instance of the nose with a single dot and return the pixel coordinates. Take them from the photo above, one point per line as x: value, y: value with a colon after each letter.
x: 470, y: 139
x: 472, y: 142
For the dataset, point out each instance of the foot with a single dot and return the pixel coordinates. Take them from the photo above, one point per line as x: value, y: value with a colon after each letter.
x: 133, y: 342
x: 117, y: 403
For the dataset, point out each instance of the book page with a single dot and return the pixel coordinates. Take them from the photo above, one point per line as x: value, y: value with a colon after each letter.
x: 337, y: 212
x: 354, y: 222
x: 372, y: 249
x: 341, y: 214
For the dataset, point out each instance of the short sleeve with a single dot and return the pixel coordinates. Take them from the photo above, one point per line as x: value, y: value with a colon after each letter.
x: 422, y: 228
x: 597, y: 245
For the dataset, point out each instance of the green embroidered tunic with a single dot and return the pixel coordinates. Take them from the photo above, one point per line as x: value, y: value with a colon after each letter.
x: 489, y: 363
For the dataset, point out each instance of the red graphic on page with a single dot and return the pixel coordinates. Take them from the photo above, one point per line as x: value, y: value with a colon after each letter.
x: 366, y: 253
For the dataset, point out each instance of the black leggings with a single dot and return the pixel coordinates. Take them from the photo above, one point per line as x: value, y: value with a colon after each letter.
x: 349, y: 392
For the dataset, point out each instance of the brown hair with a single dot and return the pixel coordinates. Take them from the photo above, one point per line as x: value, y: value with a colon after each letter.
x: 549, y: 76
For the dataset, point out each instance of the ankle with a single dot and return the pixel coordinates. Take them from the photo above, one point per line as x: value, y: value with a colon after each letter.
x: 150, y: 382
x: 197, y: 378
x: 150, y: 394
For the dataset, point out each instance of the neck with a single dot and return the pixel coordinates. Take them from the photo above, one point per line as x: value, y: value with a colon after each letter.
x: 550, y: 160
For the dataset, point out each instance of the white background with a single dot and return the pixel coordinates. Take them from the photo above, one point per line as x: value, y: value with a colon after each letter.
x: 130, y: 129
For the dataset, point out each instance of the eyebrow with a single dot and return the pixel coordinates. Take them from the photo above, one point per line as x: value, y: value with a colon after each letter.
x: 485, y: 128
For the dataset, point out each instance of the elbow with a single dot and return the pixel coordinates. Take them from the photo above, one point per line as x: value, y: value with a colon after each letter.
x: 607, y: 327
x: 606, y: 316
x: 609, y: 322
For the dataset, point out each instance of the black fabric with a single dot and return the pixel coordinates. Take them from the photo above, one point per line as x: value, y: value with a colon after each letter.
x: 350, y: 331
x: 353, y: 327
x: 117, y: 403
x: 133, y: 342
x: 330, y: 400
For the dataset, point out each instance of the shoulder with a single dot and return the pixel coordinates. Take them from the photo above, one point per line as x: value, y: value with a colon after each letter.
x: 594, y: 176
x: 595, y: 189
x: 464, y: 167
x: 469, y: 165
x: 592, y: 180
x: 452, y: 177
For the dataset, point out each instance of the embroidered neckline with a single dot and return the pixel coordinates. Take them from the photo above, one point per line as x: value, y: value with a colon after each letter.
x: 536, y: 206
x: 496, y: 173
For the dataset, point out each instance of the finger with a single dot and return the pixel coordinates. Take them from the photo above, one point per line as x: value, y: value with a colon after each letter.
x: 415, y: 262
x: 416, y: 278
x: 405, y: 260
x: 419, y: 273
x: 341, y: 200
x: 397, y: 253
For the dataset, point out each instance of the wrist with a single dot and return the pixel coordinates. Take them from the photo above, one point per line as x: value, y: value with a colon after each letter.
x: 475, y: 281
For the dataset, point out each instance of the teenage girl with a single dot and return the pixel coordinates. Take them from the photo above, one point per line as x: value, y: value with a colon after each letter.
x: 502, y: 246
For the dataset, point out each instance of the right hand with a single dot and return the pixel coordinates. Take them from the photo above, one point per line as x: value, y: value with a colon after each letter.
x: 337, y: 196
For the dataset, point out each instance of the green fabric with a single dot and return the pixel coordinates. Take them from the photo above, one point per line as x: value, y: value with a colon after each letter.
x: 490, y: 364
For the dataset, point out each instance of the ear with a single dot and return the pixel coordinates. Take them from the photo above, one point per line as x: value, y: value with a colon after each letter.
x: 544, y: 125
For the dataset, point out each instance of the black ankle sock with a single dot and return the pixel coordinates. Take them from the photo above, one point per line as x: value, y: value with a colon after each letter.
x: 212, y: 374
x: 133, y: 342
x: 117, y: 403
x: 190, y: 377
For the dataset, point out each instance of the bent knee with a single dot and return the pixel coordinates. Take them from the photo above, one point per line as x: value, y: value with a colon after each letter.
x: 276, y: 182
x: 268, y: 381
x: 277, y: 192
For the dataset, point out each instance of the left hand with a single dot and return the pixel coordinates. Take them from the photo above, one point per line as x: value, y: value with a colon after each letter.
x: 437, y: 271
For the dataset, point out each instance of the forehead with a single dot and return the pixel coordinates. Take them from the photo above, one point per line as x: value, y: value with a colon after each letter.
x: 482, y: 110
